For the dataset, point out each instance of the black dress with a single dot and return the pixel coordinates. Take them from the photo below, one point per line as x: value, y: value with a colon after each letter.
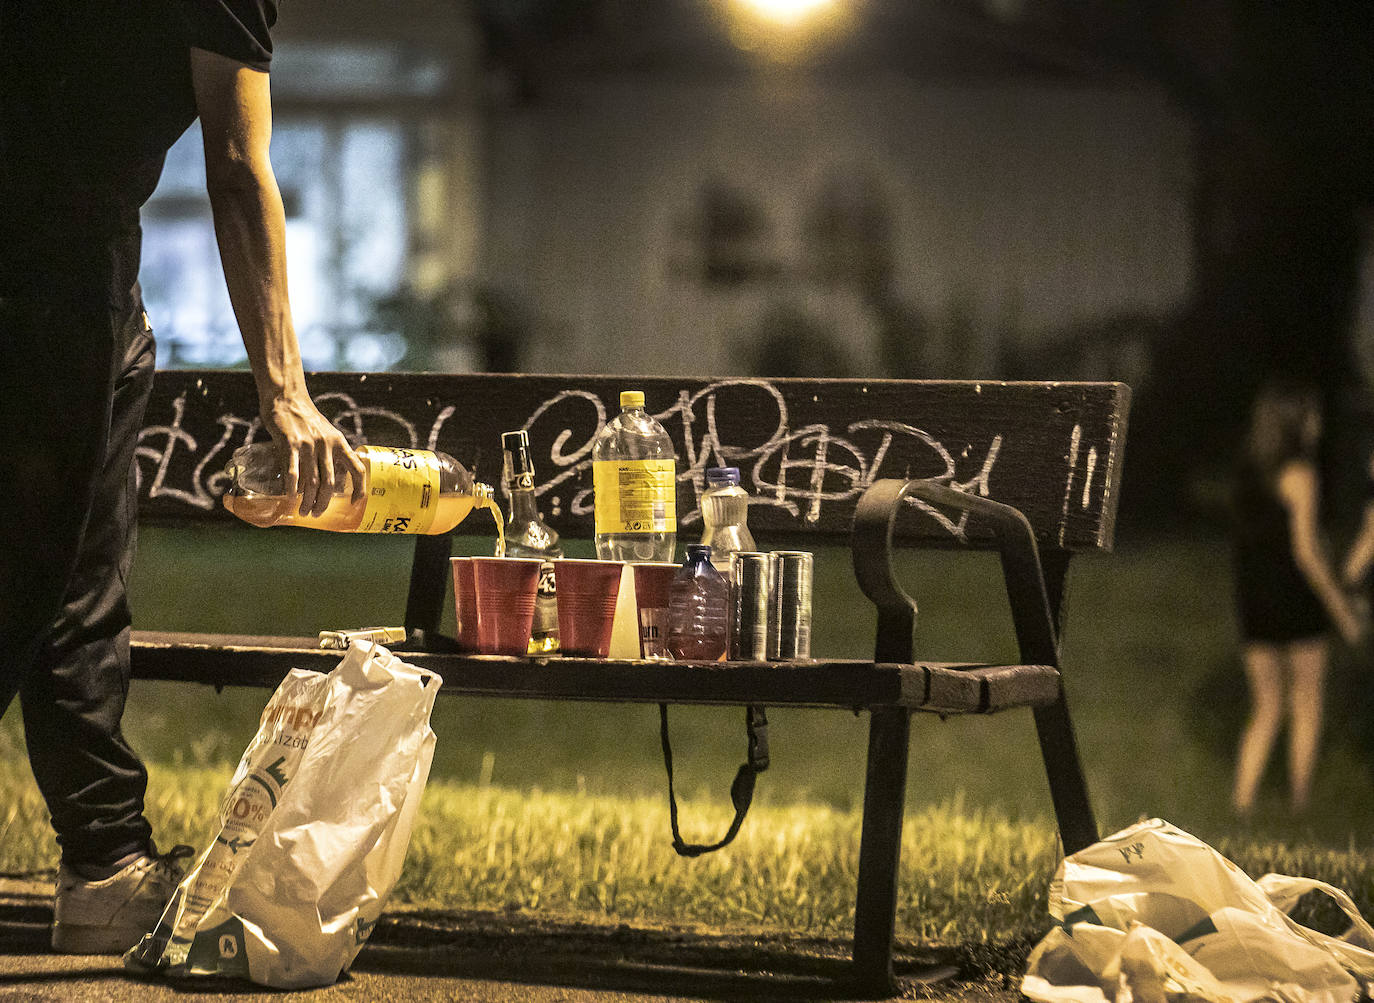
x: 1274, y: 600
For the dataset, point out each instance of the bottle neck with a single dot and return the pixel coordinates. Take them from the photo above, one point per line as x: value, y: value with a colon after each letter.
x: 519, y: 481
x: 523, y: 507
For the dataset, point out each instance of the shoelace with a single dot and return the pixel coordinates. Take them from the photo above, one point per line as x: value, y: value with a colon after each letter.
x: 167, y: 864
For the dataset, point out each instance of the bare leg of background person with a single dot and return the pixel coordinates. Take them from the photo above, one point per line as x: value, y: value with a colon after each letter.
x: 1264, y: 672
x: 1305, y: 709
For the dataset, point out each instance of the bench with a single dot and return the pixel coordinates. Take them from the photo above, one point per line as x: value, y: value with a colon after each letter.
x: 1031, y: 470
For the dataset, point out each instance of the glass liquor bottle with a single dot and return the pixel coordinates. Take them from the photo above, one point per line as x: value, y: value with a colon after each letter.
x: 527, y: 535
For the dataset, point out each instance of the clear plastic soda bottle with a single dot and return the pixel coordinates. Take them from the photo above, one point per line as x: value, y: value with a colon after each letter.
x: 404, y: 491
x: 724, y: 509
x: 634, y: 474
x: 698, y: 608
x: 527, y: 535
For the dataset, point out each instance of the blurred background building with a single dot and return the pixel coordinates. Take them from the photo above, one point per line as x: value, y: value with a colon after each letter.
x: 1170, y: 193
x: 378, y: 146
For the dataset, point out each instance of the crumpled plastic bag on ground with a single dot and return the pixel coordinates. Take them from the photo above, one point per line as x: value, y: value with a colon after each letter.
x: 1155, y: 915
x: 314, y: 829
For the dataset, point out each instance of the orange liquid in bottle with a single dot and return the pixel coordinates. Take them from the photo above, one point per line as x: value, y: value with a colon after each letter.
x: 344, y: 515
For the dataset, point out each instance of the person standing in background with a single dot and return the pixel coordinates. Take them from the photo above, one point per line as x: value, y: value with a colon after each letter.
x: 92, y: 95
x: 1288, y: 595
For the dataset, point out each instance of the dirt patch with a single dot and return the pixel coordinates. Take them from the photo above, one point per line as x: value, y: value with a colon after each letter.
x: 535, y: 955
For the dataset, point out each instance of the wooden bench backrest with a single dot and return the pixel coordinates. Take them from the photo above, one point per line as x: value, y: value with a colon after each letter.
x: 806, y: 448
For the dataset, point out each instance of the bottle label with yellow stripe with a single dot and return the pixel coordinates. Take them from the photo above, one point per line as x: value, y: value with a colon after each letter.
x: 403, y: 490
x: 635, y: 496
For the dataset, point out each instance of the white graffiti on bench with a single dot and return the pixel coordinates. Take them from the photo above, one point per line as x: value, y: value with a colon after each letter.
x: 796, y: 469
x: 818, y: 457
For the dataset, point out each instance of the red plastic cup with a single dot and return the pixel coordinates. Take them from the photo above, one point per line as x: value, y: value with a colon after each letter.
x: 464, y: 602
x: 587, y: 593
x: 652, y: 580
x: 505, y: 590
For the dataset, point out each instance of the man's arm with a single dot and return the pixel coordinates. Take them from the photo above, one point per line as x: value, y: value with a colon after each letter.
x: 235, y: 109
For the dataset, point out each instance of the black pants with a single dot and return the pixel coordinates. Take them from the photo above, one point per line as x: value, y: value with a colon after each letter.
x: 74, y: 384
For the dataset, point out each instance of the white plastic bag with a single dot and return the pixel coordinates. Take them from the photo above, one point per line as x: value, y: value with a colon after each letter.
x: 314, y: 829
x: 1152, y: 914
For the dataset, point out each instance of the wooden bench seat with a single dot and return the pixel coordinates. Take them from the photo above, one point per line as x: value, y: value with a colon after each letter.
x: 842, y: 684
x: 1029, y: 470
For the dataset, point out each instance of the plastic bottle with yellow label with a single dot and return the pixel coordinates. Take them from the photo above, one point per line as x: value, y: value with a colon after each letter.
x: 634, y: 475
x: 404, y: 491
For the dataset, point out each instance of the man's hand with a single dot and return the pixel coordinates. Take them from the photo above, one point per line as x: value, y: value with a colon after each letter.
x: 316, y: 458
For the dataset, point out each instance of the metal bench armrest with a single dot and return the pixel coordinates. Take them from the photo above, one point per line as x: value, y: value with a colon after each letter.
x: 874, y: 519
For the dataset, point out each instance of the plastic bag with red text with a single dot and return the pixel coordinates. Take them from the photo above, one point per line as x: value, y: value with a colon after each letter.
x: 313, y: 829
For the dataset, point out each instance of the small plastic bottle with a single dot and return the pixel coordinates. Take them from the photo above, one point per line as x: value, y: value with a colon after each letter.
x: 404, y: 491
x: 698, y: 608
x: 634, y: 473
x: 724, y: 509
x: 527, y: 535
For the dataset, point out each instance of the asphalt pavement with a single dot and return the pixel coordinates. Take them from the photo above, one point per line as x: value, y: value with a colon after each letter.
x: 485, y: 957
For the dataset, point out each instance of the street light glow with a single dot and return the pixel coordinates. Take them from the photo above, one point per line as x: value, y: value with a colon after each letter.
x: 786, y: 31
x: 787, y: 11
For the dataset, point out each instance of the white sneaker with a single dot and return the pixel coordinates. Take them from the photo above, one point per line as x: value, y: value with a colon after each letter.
x: 110, y: 916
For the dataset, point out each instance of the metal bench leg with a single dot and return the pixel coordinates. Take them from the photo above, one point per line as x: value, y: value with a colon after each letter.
x: 1054, y: 728
x: 880, y: 846
x: 1063, y: 769
x: 889, y: 739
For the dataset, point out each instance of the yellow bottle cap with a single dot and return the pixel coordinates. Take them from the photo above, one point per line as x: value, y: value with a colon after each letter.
x: 631, y: 398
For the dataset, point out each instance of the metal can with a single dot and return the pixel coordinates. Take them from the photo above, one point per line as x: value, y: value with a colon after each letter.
x: 789, y: 605
x: 748, y: 606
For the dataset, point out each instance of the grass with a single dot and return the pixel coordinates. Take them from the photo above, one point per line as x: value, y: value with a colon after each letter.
x: 561, y: 807
x: 967, y: 876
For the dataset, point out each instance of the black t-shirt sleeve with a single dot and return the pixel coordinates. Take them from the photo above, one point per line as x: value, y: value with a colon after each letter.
x: 239, y: 29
